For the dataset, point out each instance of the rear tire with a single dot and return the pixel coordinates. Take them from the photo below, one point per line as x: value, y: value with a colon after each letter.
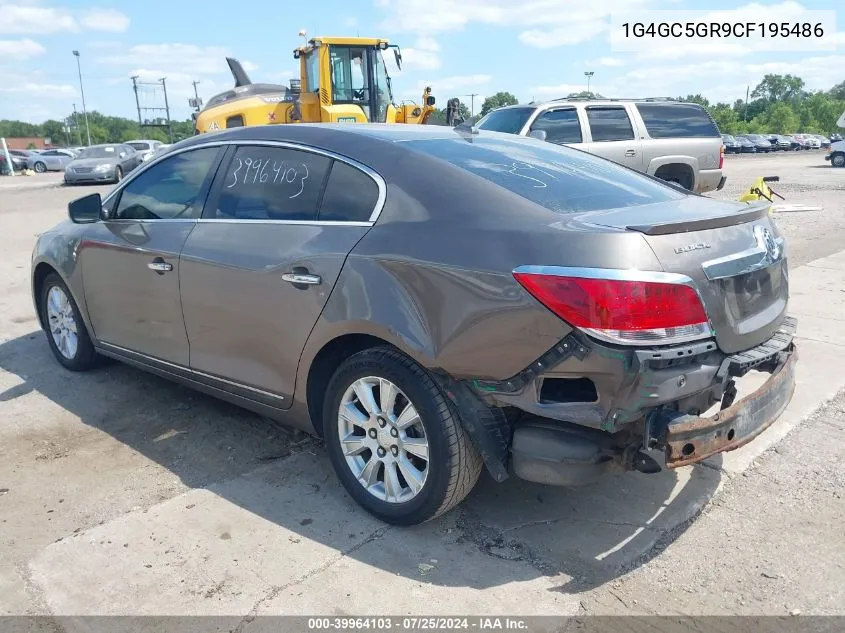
x: 40, y: 167
x: 837, y: 160
x: 437, y: 483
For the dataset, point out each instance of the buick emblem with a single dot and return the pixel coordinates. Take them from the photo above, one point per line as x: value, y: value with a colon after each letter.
x: 768, y: 241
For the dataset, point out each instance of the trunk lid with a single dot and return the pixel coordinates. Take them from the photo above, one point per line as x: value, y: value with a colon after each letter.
x: 733, y: 252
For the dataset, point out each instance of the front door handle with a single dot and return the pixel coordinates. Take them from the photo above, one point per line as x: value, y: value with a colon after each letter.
x: 160, y: 266
x: 631, y: 152
x: 302, y: 279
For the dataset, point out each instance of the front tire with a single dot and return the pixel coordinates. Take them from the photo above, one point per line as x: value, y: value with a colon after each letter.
x: 395, y: 440
x: 118, y: 175
x: 838, y: 160
x: 66, y: 333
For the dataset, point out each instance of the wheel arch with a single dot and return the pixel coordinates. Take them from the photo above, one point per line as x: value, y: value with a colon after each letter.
x: 681, y: 165
x: 324, y: 363
x: 40, y: 270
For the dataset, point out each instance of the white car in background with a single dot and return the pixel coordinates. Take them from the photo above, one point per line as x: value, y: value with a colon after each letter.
x: 146, y: 148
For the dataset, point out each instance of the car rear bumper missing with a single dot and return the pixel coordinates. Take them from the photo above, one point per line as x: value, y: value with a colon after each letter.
x: 691, y: 439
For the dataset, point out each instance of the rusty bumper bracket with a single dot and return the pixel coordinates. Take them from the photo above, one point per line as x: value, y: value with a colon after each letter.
x: 690, y: 439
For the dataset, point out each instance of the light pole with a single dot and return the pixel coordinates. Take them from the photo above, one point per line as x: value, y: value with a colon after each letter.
x: 588, y: 74
x: 82, y: 92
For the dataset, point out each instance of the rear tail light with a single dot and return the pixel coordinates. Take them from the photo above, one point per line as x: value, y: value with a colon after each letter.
x: 624, y: 307
x: 722, y: 157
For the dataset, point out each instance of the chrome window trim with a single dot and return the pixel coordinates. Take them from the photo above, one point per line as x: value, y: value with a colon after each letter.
x: 374, y: 216
x: 153, y: 360
x: 615, y: 274
x: 748, y: 261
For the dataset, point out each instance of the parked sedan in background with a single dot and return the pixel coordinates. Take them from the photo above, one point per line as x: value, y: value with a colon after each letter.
x: 780, y: 142
x: 731, y: 144
x: 760, y: 142
x: 50, y: 160
x: 745, y: 145
x: 304, y: 271
x: 823, y: 140
x: 147, y: 149
x: 18, y: 163
x: 102, y: 163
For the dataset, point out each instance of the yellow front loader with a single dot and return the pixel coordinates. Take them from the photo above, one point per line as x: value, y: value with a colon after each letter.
x: 342, y: 80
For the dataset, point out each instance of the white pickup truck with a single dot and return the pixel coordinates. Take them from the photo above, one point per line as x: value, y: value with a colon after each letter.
x: 836, y: 155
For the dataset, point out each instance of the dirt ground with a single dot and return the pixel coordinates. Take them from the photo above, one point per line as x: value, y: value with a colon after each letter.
x: 121, y: 493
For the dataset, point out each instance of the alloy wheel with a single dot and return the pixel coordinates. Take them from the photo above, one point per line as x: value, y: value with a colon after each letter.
x: 383, y: 440
x: 62, y: 323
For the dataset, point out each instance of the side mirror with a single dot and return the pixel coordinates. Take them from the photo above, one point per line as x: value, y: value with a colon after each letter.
x: 86, y: 210
x: 122, y: 154
x: 540, y: 135
x: 430, y: 100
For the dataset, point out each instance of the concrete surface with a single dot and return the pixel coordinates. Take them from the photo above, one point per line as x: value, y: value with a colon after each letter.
x: 123, y: 493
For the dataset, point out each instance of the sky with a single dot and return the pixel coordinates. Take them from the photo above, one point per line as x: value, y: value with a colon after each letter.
x: 535, y: 49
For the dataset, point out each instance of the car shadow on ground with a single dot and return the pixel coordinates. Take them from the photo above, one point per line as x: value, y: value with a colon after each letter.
x: 522, y: 531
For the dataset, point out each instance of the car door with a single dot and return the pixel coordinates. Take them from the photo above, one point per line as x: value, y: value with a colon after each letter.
x: 612, y: 135
x: 562, y: 126
x: 261, y: 263
x: 130, y: 261
x: 51, y: 160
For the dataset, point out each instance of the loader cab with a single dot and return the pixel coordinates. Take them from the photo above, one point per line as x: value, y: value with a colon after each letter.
x: 346, y: 80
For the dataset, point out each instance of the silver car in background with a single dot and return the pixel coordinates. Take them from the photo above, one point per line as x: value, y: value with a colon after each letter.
x: 102, y: 163
x: 49, y: 160
x: 146, y: 148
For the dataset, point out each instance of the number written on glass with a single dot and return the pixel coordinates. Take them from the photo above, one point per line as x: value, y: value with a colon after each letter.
x: 253, y: 171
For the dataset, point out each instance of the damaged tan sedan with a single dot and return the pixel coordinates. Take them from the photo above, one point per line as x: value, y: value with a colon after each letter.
x: 432, y: 301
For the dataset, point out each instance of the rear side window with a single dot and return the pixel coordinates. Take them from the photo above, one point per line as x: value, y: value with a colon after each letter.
x: 271, y: 183
x: 560, y: 126
x: 559, y: 178
x: 609, y: 124
x: 510, y: 120
x: 350, y: 196
x: 673, y: 120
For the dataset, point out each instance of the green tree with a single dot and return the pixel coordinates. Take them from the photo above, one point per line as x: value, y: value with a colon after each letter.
x: 696, y: 98
x: 498, y: 100
x: 584, y: 95
x: 779, y: 88
x: 780, y: 118
x: 725, y: 117
x: 838, y: 91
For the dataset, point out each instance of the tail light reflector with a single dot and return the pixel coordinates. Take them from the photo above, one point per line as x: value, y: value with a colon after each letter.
x: 627, y: 311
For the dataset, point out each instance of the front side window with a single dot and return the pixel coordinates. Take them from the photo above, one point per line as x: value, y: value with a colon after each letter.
x: 609, y: 124
x: 312, y: 71
x: 271, y: 183
x: 509, y: 120
x: 560, y: 126
x: 384, y: 93
x: 168, y: 190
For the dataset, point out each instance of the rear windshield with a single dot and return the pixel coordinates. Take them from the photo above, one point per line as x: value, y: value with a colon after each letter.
x: 561, y: 179
x: 510, y: 120
x: 673, y: 120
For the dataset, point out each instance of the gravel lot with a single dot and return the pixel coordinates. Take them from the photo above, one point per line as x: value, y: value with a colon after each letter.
x: 123, y: 493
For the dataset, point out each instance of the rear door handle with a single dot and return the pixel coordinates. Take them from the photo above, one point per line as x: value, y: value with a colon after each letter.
x: 302, y: 279
x: 631, y: 152
x: 160, y: 266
